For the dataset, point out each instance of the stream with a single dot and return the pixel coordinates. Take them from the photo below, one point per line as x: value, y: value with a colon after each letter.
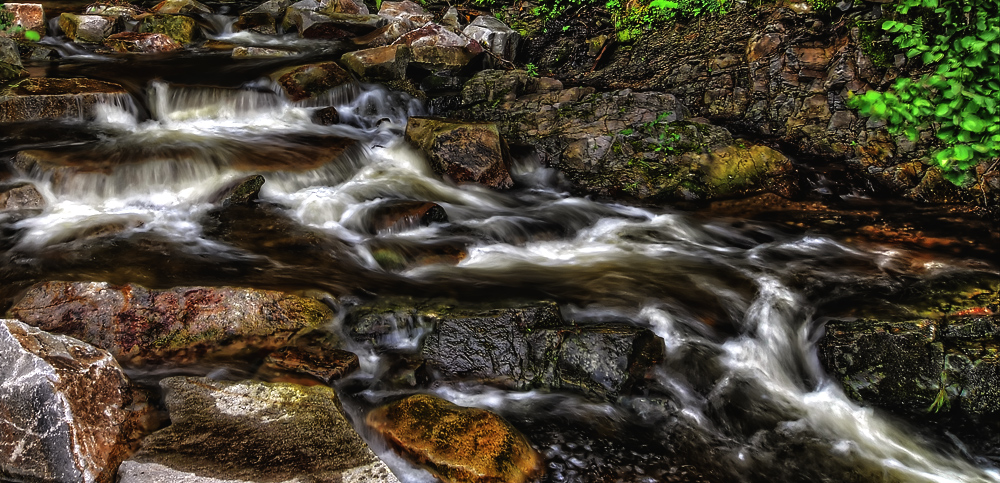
x: 739, y: 303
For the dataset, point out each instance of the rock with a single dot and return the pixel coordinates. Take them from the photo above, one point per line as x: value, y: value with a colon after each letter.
x: 394, y: 216
x: 173, y: 7
x: 239, y: 192
x: 918, y: 367
x: 28, y: 16
x: 145, y: 43
x: 55, y: 98
x: 450, y: 20
x: 495, y: 36
x: 87, y: 28
x: 326, y: 364
x: 263, y: 18
x: 313, y: 25
x: 457, y: 444
x: 494, y: 86
x: 405, y: 10
x: 404, y: 254
x: 10, y: 61
x: 64, y: 408
x: 308, y: 81
x: 349, y: 7
x: 379, y: 63
x: 384, y: 35
x: 434, y: 48
x: 181, y: 28
x: 243, y: 52
x: 466, y: 152
x: 20, y: 196
x: 118, y: 9
x: 295, y: 11
x: 183, y: 325
x: 252, y: 432
x: 326, y: 116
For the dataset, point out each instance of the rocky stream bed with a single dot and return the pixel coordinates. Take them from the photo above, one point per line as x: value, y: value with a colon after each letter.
x: 320, y: 241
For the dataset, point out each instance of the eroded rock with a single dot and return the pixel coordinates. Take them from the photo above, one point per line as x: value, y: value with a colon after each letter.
x: 405, y: 10
x: 145, y: 43
x: 87, y: 28
x: 42, y: 98
x: 435, y: 48
x: 263, y: 18
x: 325, y: 364
x: 28, y: 16
x: 240, y: 191
x: 253, y: 432
x: 379, y: 63
x: 466, y: 152
x: 174, y: 7
x: 20, y: 196
x: 10, y: 61
x: 183, y: 325
x: 458, y: 444
x: 495, y: 36
x: 64, y: 408
x: 310, y: 80
x: 391, y: 216
x: 181, y: 28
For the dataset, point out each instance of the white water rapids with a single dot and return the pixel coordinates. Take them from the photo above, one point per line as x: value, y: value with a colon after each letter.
x: 741, y: 376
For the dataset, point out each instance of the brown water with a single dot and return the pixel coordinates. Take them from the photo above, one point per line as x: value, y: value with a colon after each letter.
x: 738, y: 302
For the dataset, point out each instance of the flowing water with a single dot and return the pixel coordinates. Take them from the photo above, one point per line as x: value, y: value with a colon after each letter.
x: 131, y: 197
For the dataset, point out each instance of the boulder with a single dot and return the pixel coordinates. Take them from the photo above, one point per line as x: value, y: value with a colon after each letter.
x: 244, y: 52
x: 349, y: 7
x: 65, y: 412
x: 121, y: 9
x: 404, y: 253
x: 263, y: 18
x: 143, y: 43
x: 239, y: 192
x: 326, y: 116
x: 435, y: 48
x: 405, y: 10
x: 466, y: 152
x: 323, y: 364
x: 10, y: 61
x: 495, y: 36
x: 187, y: 7
x: 28, y: 16
x: 182, y: 325
x: 41, y: 98
x: 458, y: 444
x: 918, y: 367
x: 252, y: 432
x: 308, y: 81
x: 393, y: 216
x: 181, y: 28
x: 87, y: 28
x: 383, y: 35
x: 451, y: 21
x: 20, y: 196
x: 378, y: 63
x: 294, y: 12
x: 314, y: 25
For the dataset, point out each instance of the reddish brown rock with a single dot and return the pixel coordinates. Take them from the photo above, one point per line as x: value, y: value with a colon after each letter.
x: 400, y: 215
x: 20, y: 196
x: 435, y: 47
x: 306, y: 81
x: 464, y: 151
x: 141, y: 42
x: 379, y: 63
x: 181, y: 6
x: 28, y: 16
x: 384, y: 35
x: 320, y: 362
x: 458, y: 444
x: 350, y: 7
x: 65, y: 408
x: 403, y: 253
x: 183, y: 325
x: 405, y: 10
x: 40, y: 98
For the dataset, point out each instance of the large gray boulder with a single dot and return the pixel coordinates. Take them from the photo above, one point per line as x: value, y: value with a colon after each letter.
x: 495, y: 36
x: 253, y: 432
x: 64, y: 408
x: 87, y: 28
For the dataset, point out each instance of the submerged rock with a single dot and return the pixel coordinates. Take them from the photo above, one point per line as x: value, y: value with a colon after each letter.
x: 240, y: 191
x: 28, y: 16
x: 379, y: 63
x: 20, y: 196
x: 183, y: 324
x: 326, y: 116
x: 253, y: 432
x: 181, y: 28
x: 145, y: 43
x: 466, y: 152
x: 405, y: 253
x: 41, y: 98
x: 310, y: 80
x: 243, y: 52
x: 458, y: 444
x: 87, y: 28
x: 325, y: 364
x: 65, y: 413
x: 399, y: 215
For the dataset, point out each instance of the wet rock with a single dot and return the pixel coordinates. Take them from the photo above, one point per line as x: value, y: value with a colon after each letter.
x: 495, y: 36
x: 173, y: 7
x: 28, y: 16
x: 349, y: 7
x: 64, y: 408
x: 20, y: 196
x: 10, y: 61
x: 325, y: 364
x: 494, y: 86
x: 918, y: 367
x: 404, y: 254
x: 310, y: 80
x: 384, y: 35
x: 239, y: 192
x: 243, y: 52
x: 54, y: 98
x: 145, y: 43
x: 405, y: 10
x: 263, y: 18
x: 393, y: 216
x: 87, y: 28
x: 252, y: 432
x: 458, y: 444
x: 121, y: 9
x: 182, y: 325
x: 181, y: 28
x: 379, y: 63
x: 466, y: 152
x: 450, y: 20
x: 326, y: 116
x: 435, y: 48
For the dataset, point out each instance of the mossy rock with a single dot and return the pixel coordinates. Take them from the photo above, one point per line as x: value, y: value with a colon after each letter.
x: 181, y: 28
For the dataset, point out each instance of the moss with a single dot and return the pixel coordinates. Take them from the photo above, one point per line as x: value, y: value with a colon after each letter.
x: 873, y: 43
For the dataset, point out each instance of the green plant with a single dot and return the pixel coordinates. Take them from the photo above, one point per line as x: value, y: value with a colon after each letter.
x: 531, y: 69
x: 958, y: 98
x: 7, y: 26
x: 632, y: 17
x: 664, y: 138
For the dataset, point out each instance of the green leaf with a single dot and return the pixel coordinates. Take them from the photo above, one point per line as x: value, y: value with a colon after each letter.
x: 973, y: 123
x: 32, y: 35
